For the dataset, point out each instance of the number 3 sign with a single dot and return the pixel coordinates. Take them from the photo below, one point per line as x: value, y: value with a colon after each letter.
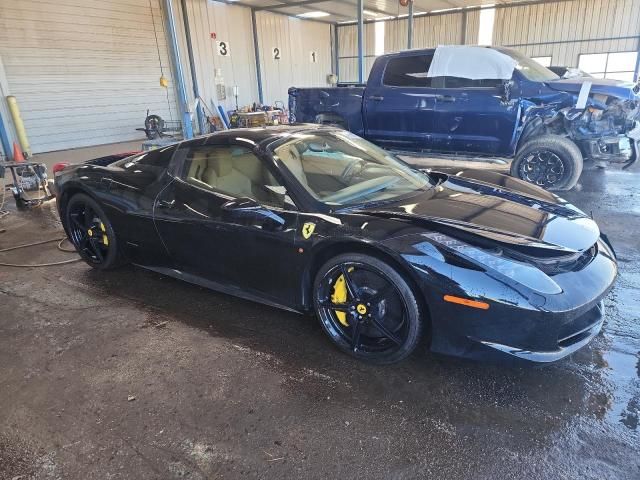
x: 223, y: 48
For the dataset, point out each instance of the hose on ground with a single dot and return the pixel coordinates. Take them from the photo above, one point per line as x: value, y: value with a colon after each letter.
x: 32, y: 265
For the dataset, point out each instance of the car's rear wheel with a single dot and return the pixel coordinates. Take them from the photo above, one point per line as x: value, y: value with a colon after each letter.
x: 550, y: 161
x: 367, y: 308
x: 91, y: 233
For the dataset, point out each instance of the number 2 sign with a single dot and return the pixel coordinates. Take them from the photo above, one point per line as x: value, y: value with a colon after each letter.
x: 223, y: 48
x: 277, y: 55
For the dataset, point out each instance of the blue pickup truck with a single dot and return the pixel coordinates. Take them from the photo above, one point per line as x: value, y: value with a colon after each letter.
x: 484, y: 101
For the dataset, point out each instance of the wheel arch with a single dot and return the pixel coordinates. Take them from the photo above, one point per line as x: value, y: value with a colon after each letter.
x: 66, y: 194
x: 322, y: 253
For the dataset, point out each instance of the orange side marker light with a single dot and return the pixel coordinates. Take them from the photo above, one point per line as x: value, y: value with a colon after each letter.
x: 466, y: 302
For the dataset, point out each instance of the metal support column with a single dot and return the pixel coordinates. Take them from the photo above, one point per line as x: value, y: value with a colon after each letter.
x: 636, y: 73
x: 360, y: 41
x: 410, y: 26
x: 192, y: 67
x: 463, y: 28
x: 187, y: 128
x: 336, y: 50
x: 256, y: 52
x: 4, y: 139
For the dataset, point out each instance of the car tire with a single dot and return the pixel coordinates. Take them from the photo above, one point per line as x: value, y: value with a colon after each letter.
x: 384, y: 339
x: 550, y: 161
x: 99, y: 249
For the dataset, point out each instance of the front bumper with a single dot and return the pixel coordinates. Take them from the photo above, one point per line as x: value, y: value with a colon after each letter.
x: 613, y: 149
x: 519, y: 325
x: 573, y: 340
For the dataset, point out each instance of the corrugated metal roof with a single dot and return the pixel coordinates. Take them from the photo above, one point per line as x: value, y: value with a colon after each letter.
x: 345, y: 10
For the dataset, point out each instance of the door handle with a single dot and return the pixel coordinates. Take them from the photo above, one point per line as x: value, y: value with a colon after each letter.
x: 445, y: 98
x: 376, y: 98
x: 165, y: 203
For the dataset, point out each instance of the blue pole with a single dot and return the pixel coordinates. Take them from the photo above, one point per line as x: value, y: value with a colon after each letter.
x: 4, y: 138
x: 256, y: 51
x: 360, y: 41
x: 192, y: 67
x: 187, y: 128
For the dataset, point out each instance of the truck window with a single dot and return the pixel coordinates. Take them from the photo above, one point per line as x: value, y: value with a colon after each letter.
x: 408, y: 71
x: 459, y: 82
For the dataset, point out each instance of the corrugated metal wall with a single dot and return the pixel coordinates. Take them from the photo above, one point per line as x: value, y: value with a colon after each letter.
x: 85, y: 71
x: 428, y: 32
x: 295, y: 39
x: 561, y: 30
x: 231, y: 25
x: 564, y: 30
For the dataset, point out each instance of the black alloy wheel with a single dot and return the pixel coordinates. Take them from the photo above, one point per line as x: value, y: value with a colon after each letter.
x: 542, y: 168
x: 91, y: 233
x: 367, y: 309
x: 552, y: 162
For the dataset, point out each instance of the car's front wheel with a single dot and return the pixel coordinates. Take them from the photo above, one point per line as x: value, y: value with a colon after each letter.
x: 367, y: 308
x: 91, y: 233
x: 549, y: 161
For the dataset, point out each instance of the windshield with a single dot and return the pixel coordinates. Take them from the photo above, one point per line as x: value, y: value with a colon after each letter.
x: 531, y: 69
x: 339, y: 168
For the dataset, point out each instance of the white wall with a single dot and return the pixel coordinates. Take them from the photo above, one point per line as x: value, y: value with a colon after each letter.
x: 231, y: 24
x: 296, y: 39
x: 84, y: 71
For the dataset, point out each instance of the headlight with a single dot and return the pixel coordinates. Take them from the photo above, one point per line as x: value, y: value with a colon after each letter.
x: 522, y: 273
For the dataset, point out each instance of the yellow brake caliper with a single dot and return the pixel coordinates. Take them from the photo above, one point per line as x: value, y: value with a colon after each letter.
x: 340, y: 296
x: 105, y: 239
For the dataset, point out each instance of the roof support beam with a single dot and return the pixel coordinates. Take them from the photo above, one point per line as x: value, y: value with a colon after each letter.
x: 291, y: 4
x: 288, y: 4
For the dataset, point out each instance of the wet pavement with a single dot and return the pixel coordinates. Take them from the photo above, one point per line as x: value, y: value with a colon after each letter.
x: 129, y: 374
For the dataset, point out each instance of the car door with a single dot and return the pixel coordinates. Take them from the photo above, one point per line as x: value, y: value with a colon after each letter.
x: 128, y: 189
x: 399, y: 108
x: 226, y: 218
x: 472, y: 116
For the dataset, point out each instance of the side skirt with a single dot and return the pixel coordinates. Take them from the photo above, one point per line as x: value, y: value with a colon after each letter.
x: 218, y: 287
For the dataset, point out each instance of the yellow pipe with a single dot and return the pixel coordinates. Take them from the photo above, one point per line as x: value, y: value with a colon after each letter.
x: 18, y: 124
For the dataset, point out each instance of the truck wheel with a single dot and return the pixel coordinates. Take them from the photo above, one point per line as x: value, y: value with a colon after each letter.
x: 550, y: 161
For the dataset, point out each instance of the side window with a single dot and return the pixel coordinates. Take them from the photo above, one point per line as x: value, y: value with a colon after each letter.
x: 459, y: 82
x: 233, y: 171
x: 408, y: 71
x: 153, y: 162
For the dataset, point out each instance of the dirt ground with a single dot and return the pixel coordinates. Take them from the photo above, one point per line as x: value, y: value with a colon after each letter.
x: 131, y: 375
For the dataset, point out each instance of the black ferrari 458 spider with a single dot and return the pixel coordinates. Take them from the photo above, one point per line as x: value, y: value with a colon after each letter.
x: 317, y: 220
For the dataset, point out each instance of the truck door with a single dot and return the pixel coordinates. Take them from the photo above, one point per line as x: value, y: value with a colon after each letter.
x: 471, y: 116
x: 399, y: 104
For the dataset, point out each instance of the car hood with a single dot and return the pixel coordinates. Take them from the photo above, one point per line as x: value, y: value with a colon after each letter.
x: 515, y: 214
x: 610, y: 87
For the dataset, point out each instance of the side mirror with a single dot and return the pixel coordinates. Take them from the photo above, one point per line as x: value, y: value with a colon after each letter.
x: 507, y: 87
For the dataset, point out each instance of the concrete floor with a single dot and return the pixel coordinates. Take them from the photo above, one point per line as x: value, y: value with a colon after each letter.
x: 129, y: 374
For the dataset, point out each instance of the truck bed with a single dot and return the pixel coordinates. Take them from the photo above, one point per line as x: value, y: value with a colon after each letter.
x: 328, y: 105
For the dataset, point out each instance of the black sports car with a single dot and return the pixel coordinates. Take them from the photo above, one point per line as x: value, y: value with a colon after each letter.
x: 315, y: 219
